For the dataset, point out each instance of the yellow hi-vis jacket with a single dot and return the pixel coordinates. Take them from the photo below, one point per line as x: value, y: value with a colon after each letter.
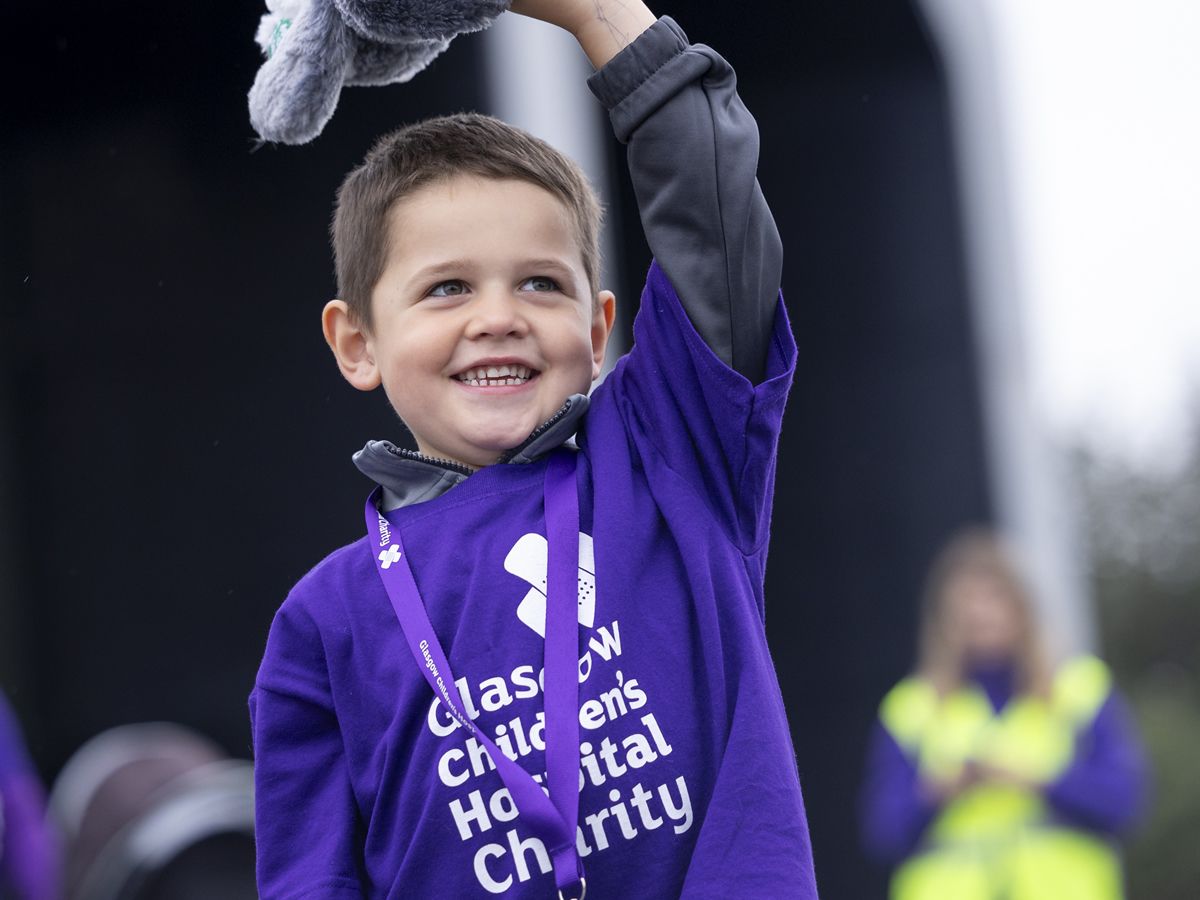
x: 997, y: 841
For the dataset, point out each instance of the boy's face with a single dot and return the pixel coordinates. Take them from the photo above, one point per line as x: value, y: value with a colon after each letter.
x: 483, y: 319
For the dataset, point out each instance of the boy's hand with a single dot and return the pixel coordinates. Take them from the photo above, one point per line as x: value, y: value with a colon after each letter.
x: 603, y: 27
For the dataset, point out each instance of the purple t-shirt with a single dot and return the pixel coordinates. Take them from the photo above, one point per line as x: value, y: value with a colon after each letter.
x: 689, y: 782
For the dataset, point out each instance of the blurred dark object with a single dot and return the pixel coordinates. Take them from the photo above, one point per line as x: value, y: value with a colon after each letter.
x: 156, y: 811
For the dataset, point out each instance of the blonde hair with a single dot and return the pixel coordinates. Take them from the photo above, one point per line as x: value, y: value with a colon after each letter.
x: 977, y: 551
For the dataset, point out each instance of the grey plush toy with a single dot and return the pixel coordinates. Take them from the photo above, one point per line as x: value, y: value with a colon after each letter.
x: 313, y: 47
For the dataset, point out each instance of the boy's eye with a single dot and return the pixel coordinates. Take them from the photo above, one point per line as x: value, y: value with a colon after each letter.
x: 448, y: 289
x: 540, y: 283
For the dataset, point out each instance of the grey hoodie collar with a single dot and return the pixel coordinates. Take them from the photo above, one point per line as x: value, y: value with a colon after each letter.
x: 408, y: 477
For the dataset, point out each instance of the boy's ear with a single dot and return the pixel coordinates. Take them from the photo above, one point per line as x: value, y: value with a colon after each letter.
x: 602, y: 323
x: 351, y: 345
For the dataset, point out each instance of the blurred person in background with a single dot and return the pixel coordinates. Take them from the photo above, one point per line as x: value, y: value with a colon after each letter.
x: 29, y: 853
x: 991, y: 774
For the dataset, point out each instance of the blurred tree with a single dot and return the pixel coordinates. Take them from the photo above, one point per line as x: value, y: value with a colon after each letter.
x: 1143, y: 527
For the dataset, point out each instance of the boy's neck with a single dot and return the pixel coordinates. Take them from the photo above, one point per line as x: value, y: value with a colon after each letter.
x: 408, y: 477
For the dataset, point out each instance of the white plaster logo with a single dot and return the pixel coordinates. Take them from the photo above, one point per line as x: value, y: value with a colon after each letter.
x: 528, y: 561
x: 389, y: 556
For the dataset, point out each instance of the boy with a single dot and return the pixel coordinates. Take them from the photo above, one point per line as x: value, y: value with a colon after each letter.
x: 467, y: 264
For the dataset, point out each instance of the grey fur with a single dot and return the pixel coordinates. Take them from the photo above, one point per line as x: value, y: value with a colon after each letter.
x: 332, y: 43
x: 393, y: 21
x: 375, y: 63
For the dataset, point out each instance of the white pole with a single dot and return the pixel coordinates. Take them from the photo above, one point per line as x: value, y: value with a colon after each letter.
x: 1027, y: 474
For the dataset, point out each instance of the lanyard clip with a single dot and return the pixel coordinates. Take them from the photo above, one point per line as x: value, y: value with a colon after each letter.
x: 582, y: 891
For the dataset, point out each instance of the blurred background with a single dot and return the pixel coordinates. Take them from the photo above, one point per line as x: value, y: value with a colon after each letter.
x: 990, y: 211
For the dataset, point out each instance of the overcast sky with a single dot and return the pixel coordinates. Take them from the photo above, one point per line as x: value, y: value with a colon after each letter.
x: 1103, y: 99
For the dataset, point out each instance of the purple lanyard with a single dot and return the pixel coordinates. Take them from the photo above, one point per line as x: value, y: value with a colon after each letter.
x: 553, y: 819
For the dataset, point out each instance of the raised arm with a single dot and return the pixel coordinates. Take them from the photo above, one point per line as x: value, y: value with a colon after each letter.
x: 693, y: 159
x: 603, y: 27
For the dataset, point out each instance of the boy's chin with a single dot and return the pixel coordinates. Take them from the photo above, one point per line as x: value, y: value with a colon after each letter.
x: 478, y: 452
x: 496, y: 439
x: 484, y: 442
x: 485, y: 452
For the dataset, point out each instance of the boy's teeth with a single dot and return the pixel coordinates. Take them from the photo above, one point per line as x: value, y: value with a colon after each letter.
x: 492, y: 376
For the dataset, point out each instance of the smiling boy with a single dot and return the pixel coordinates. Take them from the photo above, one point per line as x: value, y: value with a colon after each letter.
x: 643, y: 751
x: 481, y: 275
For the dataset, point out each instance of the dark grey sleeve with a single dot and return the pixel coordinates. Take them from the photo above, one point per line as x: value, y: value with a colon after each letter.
x: 693, y: 157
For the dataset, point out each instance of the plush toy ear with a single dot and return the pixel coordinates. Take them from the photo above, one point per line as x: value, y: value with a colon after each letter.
x: 392, y: 21
x: 297, y: 88
x: 316, y: 46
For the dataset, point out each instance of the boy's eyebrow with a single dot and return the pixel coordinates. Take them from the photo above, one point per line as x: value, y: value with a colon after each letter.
x: 561, y: 267
x: 457, y: 267
x: 439, y: 270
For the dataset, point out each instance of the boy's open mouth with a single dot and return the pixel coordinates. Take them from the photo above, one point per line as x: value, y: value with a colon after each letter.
x: 496, y: 376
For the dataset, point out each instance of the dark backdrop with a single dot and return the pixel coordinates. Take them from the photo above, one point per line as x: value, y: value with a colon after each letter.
x: 175, y: 438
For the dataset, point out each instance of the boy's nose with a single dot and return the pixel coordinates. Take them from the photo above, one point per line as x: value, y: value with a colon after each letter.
x: 496, y: 313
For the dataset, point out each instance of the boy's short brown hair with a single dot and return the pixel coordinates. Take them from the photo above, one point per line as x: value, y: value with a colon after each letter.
x: 433, y: 150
